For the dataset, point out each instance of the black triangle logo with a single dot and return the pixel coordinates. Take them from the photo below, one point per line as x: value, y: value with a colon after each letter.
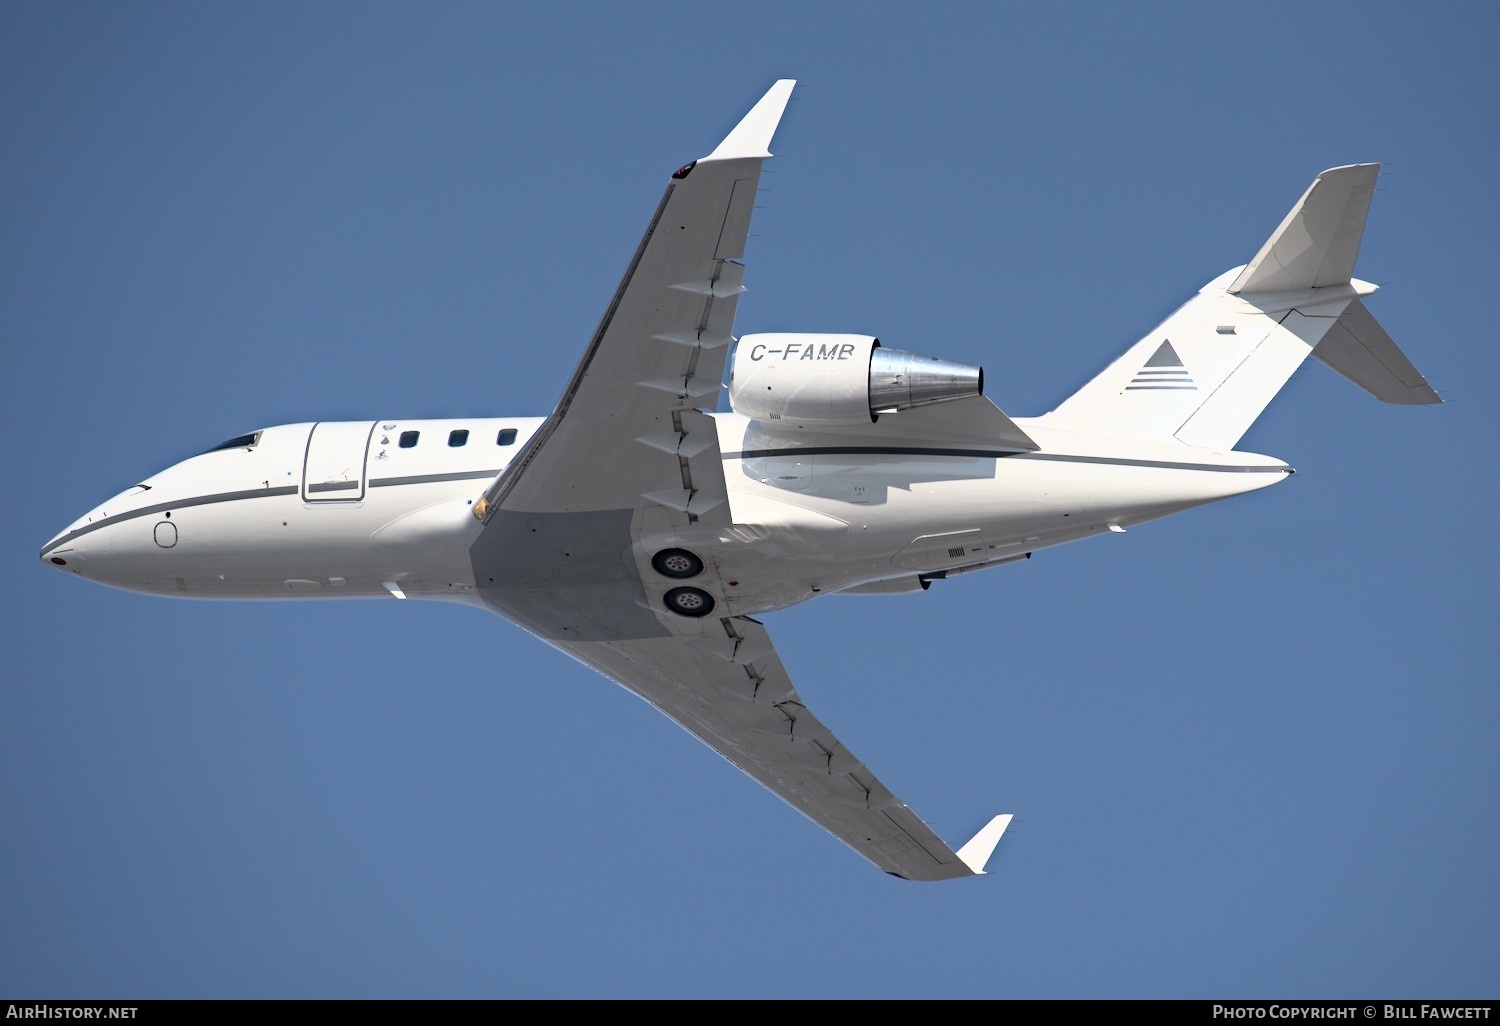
x: 1165, y: 356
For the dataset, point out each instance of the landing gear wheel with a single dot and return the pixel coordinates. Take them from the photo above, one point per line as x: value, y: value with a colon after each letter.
x: 692, y: 602
x: 679, y: 564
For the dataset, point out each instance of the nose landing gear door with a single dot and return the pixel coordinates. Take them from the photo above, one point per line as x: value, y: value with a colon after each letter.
x: 335, y: 467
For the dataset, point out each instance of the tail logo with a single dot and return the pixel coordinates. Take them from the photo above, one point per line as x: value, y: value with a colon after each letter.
x: 1163, y: 372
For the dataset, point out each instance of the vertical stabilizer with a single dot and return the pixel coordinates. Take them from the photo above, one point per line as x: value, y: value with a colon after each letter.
x: 1204, y: 374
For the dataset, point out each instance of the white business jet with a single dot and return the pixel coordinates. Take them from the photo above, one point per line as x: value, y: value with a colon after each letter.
x: 640, y: 532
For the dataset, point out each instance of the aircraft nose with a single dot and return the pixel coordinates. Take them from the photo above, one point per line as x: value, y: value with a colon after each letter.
x: 85, y: 547
x: 122, y: 552
x: 112, y: 544
x: 61, y: 555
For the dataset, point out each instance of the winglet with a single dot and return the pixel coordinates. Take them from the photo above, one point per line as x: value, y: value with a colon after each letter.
x: 1316, y: 244
x: 752, y: 136
x: 977, y: 852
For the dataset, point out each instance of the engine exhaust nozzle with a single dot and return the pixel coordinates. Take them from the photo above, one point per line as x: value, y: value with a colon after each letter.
x: 900, y: 380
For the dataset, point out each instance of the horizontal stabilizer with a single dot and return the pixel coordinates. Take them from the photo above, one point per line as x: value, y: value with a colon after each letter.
x: 1319, y: 240
x: 982, y: 845
x: 1359, y: 348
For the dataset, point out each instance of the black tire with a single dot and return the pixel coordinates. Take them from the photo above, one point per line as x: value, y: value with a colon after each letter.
x: 678, y: 564
x: 694, y: 602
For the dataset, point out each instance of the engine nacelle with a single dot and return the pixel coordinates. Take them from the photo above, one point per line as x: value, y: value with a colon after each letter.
x: 834, y: 380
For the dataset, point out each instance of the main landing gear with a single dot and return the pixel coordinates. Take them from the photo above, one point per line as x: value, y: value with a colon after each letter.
x: 693, y: 602
x: 681, y: 565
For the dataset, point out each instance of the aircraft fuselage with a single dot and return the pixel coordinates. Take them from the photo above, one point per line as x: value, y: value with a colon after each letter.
x: 382, y: 508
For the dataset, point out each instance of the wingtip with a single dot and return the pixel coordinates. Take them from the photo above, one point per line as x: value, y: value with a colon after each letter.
x: 1369, y: 171
x: 751, y: 138
x: 981, y: 846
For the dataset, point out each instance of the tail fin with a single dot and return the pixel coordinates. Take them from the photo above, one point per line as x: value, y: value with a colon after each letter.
x: 1206, y: 373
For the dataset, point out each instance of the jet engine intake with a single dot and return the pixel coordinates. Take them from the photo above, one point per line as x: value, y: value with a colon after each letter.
x: 836, y: 380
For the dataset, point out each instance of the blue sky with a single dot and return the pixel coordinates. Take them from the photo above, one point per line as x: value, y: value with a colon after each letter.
x: 1252, y: 750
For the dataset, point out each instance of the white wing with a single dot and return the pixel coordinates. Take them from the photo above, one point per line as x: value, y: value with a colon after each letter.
x: 729, y: 688
x: 626, y: 461
x: 627, y: 429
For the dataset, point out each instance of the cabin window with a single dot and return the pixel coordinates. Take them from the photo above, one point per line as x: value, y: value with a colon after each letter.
x: 409, y: 438
x: 238, y: 442
x: 507, y: 436
x: 457, y: 438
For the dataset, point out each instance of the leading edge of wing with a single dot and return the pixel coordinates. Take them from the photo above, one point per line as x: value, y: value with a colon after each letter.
x: 729, y: 689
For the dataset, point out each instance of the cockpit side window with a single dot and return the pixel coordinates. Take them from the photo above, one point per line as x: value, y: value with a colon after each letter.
x: 249, y: 441
x: 409, y: 438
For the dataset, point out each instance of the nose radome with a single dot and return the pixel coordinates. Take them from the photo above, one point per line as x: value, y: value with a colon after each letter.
x: 57, y: 553
x: 70, y: 549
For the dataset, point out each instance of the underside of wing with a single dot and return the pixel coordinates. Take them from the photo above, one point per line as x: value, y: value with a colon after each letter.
x: 728, y: 688
x: 628, y: 429
x: 627, y: 458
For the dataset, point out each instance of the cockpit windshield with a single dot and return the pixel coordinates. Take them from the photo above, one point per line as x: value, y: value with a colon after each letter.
x: 238, y: 442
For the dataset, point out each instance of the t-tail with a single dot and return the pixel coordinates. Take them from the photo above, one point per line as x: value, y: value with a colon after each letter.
x: 1208, y: 371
